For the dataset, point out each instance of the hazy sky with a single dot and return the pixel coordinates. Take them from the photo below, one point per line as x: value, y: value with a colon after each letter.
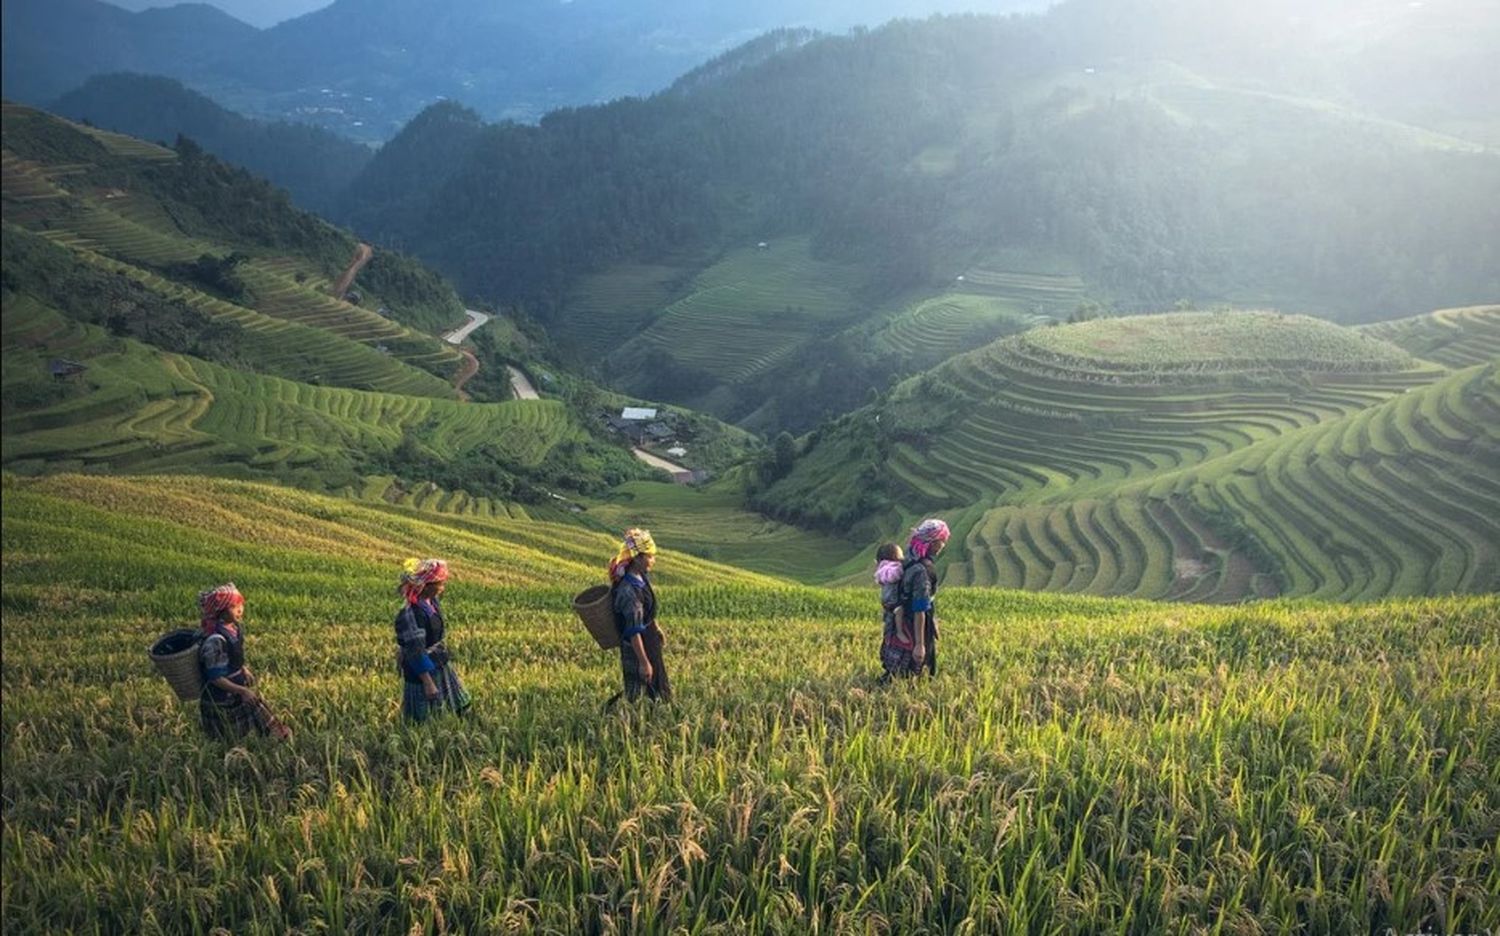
x: 260, y: 13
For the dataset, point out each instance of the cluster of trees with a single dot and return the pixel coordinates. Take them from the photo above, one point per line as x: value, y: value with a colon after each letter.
x: 312, y: 164
x: 36, y: 267
x: 214, y: 274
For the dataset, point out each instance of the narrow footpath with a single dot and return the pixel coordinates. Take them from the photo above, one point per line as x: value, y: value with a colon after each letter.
x: 466, y: 373
x: 362, y: 255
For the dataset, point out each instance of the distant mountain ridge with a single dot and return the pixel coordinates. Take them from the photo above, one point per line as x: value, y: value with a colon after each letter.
x: 49, y: 47
x: 365, y: 67
x: 911, y: 179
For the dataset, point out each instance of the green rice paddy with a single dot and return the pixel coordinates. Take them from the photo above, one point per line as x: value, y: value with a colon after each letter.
x: 1079, y: 766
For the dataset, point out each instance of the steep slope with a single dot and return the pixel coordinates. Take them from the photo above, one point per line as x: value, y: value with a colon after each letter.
x: 1400, y: 499
x: 1195, y: 456
x: 314, y: 165
x: 162, y: 312
x: 184, y: 227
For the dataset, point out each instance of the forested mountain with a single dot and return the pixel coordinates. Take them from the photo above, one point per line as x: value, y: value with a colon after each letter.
x: 365, y: 67
x: 923, y: 153
x: 51, y: 46
x: 312, y: 164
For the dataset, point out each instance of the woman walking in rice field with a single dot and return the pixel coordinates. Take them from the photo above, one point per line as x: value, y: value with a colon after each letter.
x: 914, y: 647
x: 229, y: 707
x: 641, y: 637
x: 430, y: 683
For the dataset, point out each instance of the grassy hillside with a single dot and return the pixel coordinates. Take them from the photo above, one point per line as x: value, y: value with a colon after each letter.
x: 713, y: 523
x: 1195, y: 456
x: 125, y: 206
x: 1399, y: 499
x: 203, y: 311
x: 139, y: 409
x: 1080, y: 765
x: 1451, y: 337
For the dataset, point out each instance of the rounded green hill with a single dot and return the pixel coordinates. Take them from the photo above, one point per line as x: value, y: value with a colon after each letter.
x: 1220, y: 341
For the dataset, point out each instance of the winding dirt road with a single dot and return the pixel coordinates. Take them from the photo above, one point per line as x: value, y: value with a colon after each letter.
x: 466, y: 372
x: 362, y: 255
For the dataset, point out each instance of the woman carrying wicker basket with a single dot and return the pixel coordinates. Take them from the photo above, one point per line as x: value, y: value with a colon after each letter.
x: 230, y: 707
x: 431, y: 682
x: 641, y: 637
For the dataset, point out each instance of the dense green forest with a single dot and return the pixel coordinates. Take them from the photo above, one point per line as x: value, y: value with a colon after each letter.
x: 914, y: 145
x: 312, y: 164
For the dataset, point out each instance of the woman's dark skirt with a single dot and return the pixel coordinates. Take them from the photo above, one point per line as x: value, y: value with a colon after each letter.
x: 452, y: 696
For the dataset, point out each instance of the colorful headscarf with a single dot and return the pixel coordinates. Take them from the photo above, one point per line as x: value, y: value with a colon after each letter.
x: 637, y: 542
x: 417, y: 574
x: 215, y: 601
x: 928, y: 534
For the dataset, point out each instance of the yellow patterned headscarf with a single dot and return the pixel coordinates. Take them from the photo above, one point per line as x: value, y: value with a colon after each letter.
x: 637, y: 542
x: 417, y: 574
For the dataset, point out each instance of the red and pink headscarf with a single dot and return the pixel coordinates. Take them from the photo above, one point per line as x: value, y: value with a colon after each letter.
x: 928, y: 535
x: 213, y: 603
x: 417, y: 574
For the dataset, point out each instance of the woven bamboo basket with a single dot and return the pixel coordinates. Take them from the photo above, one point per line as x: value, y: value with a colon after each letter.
x: 597, y: 611
x: 175, y: 656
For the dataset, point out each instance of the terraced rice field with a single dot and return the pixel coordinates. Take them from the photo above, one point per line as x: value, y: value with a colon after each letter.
x: 1079, y: 765
x: 1451, y: 337
x: 127, y: 146
x: 132, y: 229
x: 1039, y: 421
x: 146, y: 410
x: 97, y: 229
x: 938, y: 328
x: 750, y: 311
x: 606, y: 308
x: 291, y: 349
x: 1397, y: 499
x: 1402, y: 498
x: 1040, y: 293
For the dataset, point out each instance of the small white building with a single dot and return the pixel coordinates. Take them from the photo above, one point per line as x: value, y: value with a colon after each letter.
x: 637, y: 413
x: 677, y: 451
